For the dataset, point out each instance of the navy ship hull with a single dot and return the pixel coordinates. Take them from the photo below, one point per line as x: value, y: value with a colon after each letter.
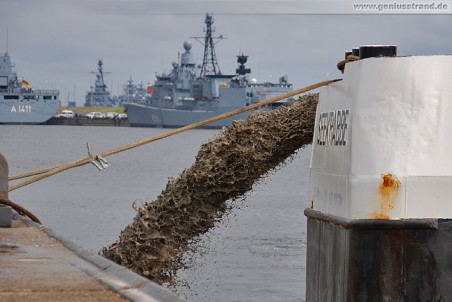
x: 27, y: 112
x: 147, y: 116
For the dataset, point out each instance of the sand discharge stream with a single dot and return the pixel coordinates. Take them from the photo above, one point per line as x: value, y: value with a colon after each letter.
x: 226, y: 167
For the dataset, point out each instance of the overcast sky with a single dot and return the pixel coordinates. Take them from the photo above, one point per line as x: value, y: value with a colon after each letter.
x: 56, y: 43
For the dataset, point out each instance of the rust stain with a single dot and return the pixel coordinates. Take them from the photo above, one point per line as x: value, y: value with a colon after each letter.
x: 388, y: 191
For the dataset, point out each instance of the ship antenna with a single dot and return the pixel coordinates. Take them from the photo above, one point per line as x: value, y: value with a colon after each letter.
x: 209, y: 64
x: 7, y: 39
x: 101, y: 72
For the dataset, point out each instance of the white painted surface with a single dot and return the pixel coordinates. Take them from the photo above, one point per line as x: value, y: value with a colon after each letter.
x: 398, y: 122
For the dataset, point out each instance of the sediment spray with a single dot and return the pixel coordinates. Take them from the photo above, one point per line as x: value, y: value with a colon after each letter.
x: 226, y: 167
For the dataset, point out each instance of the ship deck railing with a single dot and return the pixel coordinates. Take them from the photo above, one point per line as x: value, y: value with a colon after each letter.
x: 31, y: 91
x: 279, y: 85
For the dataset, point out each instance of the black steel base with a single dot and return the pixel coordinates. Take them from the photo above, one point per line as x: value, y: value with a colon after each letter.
x: 378, y: 260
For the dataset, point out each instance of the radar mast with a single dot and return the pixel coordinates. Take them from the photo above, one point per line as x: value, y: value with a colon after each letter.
x: 209, y: 64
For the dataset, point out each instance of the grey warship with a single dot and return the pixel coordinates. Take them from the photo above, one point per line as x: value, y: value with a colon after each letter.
x: 193, y: 93
x: 133, y: 93
x: 19, y: 102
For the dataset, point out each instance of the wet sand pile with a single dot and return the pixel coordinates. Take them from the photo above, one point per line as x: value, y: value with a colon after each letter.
x: 226, y: 167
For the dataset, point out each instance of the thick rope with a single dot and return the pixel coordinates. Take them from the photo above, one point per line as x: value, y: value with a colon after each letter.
x: 350, y: 58
x: 33, y: 173
x: 44, y: 173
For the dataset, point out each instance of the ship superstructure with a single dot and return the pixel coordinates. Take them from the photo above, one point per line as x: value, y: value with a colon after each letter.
x: 191, y: 93
x: 134, y: 93
x: 99, y: 95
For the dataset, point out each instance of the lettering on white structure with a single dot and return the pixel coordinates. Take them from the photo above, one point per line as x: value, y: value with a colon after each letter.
x: 327, y: 197
x: 21, y: 108
x: 332, y: 128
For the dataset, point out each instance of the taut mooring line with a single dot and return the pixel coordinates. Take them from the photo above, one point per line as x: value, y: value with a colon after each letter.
x: 47, y: 172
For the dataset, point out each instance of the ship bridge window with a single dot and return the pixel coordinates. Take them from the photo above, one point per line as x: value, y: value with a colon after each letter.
x: 11, y: 97
x: 47, y: 97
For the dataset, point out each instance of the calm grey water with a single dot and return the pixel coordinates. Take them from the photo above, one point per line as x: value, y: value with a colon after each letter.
x: 256, y: 253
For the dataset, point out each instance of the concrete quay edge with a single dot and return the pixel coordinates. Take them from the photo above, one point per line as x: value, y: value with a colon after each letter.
x: 119, y: 279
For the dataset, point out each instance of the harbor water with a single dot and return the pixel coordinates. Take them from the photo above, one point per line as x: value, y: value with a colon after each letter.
x: 255, y: 253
